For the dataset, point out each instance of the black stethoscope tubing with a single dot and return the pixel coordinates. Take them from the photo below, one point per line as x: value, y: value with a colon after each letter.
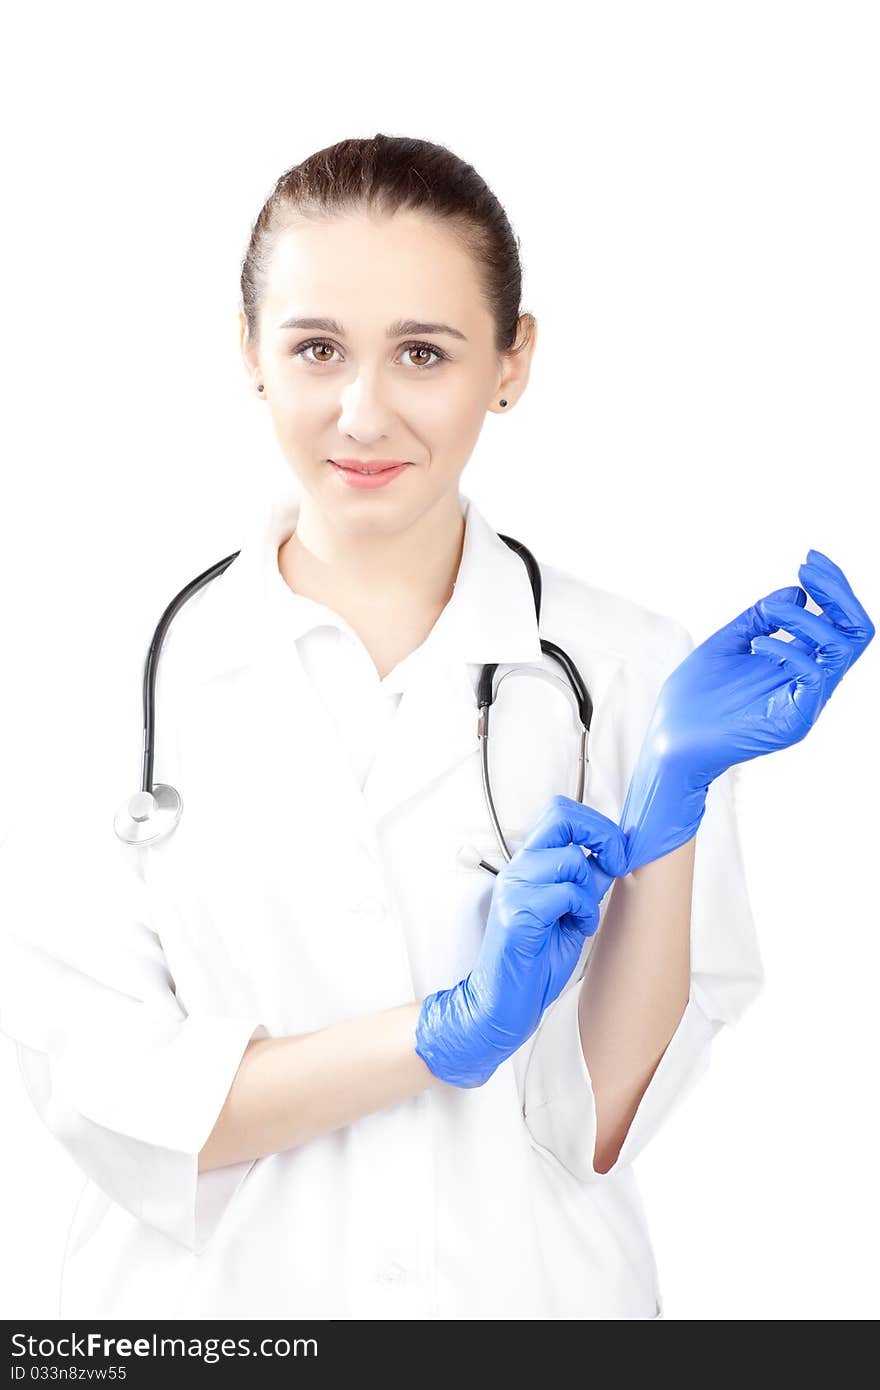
x: 154, y: 811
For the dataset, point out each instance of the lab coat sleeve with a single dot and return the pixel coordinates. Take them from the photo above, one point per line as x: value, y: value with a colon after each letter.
x: 557, y: 1094
x: 126, y: 1080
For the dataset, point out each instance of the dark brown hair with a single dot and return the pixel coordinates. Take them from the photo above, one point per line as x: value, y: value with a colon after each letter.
x: 386, y: 173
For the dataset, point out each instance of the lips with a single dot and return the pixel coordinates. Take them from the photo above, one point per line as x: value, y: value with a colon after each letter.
x: 380, y: 476
x: 380, y: 466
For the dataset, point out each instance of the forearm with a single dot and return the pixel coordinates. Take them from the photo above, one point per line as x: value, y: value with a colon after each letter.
x: 635, y: 990
x: 289, y: 1090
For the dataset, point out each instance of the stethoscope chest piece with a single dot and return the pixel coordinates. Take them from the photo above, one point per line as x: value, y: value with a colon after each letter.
x: 148, y: 816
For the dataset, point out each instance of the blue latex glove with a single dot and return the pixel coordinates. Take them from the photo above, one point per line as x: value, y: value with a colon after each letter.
x: 739, y: 695
x: 545, y: 902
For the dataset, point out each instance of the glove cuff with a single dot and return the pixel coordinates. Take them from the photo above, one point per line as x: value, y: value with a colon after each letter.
x: 448, y: 1042
x: 663, y: 809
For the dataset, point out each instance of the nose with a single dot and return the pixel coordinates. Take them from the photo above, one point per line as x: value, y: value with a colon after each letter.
x: 364, y: 407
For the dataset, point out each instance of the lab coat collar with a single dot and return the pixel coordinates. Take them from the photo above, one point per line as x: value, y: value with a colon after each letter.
x: 490, y: 616
x: 252, y: 619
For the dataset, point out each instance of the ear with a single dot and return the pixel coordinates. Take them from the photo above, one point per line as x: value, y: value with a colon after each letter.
x: 247, y: 349
x: 518, y: 361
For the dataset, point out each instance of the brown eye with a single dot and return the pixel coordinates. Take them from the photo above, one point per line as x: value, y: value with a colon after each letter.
x: 437, y: 353
x: 310, y: 346
x: 314, y: 343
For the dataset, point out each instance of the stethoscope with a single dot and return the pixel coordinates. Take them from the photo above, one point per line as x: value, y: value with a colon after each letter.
x: 154, y: 811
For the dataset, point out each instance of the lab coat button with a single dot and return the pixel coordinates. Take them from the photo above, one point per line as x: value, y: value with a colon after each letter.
x: 393, y: 1273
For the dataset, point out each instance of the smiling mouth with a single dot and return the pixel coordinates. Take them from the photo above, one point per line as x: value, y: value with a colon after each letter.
x: 369, y: 469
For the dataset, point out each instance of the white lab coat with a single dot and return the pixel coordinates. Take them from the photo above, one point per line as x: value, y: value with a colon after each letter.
x: 290, y: 899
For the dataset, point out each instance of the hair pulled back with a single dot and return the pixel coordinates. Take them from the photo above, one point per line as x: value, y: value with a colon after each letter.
x: 384, y: 174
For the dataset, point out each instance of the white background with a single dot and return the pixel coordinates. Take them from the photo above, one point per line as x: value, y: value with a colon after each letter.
x: 695, y: 191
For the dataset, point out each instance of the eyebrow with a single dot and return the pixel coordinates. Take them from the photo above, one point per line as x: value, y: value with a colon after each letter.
x: 401, y: 329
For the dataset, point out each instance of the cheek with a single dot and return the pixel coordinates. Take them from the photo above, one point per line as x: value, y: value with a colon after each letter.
x: 296, y: 411
x: 451, y: 416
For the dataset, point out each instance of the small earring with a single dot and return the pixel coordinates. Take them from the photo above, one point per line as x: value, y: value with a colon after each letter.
x: 502, y: 402
x: 260, y: 387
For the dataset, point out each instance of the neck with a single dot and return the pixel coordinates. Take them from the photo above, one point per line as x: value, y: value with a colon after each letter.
x: 413, y: 569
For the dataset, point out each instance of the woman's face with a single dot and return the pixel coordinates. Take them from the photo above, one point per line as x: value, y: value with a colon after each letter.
x: 359, y: 391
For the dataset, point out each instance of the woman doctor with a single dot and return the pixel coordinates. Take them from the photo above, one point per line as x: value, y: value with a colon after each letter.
x: 312, y: 1061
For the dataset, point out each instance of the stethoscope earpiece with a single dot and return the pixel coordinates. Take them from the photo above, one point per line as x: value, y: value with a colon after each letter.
x: 470, y: 858
x: 148, y: 816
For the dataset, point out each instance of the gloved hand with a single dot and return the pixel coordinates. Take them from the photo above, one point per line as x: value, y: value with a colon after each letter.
x: 545, y: 902
x: 739, y: 695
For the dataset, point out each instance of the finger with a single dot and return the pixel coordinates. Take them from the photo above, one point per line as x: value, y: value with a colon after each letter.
x: 817, y: 630
x: 789, y: 593
x: 565, y: 821
x: 777, y: 597
x: 736, y: 635
x: 546, y: 903
x: 823, y: 561
x: 526, y: 867
x: 567, y: 863
x: 568, y: 899
x: 830, y: 588
x: 797, y: 666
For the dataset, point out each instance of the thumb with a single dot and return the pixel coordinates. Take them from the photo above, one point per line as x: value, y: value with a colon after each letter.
x: 736, y: 636
x: 601, y: 881
x: 565, y: 821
